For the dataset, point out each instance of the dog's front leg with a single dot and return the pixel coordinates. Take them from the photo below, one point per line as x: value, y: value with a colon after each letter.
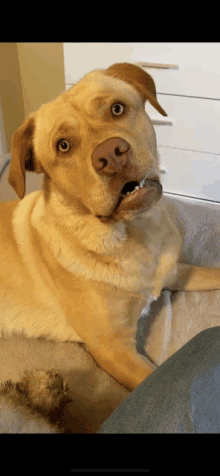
x: 195, y: 278
x: 116, y: 353
x: 107, y: 324
x: 165, y: 274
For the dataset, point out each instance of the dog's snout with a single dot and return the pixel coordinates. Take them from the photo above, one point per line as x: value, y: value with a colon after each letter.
x: 110, y: 156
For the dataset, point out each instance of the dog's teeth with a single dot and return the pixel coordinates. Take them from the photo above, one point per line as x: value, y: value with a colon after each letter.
x: 141, y: 185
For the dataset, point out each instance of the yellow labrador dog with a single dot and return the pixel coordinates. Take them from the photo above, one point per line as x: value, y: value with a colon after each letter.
x: 80, y: 258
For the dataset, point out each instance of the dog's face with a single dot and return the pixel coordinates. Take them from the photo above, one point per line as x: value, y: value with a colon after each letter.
x: 95, y: 143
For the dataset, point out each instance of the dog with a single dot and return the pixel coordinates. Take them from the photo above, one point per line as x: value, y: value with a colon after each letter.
x: 80, y: 258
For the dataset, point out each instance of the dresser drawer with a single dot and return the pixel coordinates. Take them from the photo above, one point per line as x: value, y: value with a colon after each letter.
x: 197, y: 73
x: 190, y: 80
x: 189, y: 173
x: 196, y: 123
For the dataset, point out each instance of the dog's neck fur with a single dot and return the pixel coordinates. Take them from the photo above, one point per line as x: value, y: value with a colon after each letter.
x: 106, y: 250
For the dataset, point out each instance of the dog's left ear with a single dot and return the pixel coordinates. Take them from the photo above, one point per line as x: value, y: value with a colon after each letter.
x: 138, y: 78
x: 22, y: 155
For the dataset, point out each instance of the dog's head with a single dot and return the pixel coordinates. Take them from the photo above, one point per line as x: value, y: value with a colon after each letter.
x: 95, y: 144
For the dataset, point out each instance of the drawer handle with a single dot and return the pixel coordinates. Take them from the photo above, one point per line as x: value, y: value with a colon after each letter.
x: 157, y: 65
x: 162, y: 122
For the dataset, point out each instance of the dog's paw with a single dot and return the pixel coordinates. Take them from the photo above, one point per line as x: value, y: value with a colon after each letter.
x: 43, y: 390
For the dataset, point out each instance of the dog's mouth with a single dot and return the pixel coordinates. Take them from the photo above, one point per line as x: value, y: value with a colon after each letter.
x: 131, y: 188
x: 135, y: 196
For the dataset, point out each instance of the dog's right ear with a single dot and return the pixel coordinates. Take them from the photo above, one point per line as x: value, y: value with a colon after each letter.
x: 22, y: 155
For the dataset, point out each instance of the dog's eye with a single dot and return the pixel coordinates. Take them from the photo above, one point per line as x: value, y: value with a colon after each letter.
x: 118, y: 109
x: 63, y: 145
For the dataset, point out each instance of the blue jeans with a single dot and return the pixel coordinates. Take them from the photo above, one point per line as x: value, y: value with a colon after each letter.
x: 180, y: 396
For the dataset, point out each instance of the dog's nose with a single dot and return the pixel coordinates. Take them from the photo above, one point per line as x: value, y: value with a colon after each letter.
x: 110, y: 156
